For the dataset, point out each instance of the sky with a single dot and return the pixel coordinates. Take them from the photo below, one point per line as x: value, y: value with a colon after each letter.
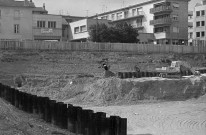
x: 88, y: 7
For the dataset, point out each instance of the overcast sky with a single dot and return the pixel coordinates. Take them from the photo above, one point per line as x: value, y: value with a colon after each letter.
x: 88, y: 7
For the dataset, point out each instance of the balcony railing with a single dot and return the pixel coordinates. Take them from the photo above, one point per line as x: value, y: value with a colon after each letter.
x: 161, y: 9
x: 137, y: 26
x: 130, y: 16
x: 163, y: 21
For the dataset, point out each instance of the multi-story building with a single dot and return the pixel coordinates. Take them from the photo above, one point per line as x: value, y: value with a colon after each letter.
x: 47, y: 27
x: 16, y: 19
x: 166, y: 19
x: 79, y: 30
x: 22, y: 20
x: 198, y: 21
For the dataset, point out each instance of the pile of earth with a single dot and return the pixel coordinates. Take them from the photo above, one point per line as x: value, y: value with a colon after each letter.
x: 115, y: 91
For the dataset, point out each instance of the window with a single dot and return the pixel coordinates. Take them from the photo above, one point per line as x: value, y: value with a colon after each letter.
x: 203, y: 12
x: 190, y: 36
x: 197, y: 34
x: 76, y: 30
x: 133, y: 12
x: 126, y: 14
x: 203, y: 23
x: 41, y: 24
x: 113, y: 15
x: 176, y: 5
x: 197, y: 24
x: 104, y: 17
x: 16, y: 28
x: 203, y: 34
x: 119, y: 15
x: 51, y: 24
x: 175, y: 29
x: 175, y: 17
x: 17, y: 14
x: 83, y: 28
x: 197, y: 13
x: 139, y: 22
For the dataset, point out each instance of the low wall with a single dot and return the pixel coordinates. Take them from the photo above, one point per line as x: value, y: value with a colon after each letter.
x: 91, y: 46
x: 66, y: 116
x: 124, y: 75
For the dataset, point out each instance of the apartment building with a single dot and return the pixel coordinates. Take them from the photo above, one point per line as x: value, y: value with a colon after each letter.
x: 79, y: 30
x: 21, y: 20
x: 16, y: 19
x: 165, y: 19
x: 198, y: 29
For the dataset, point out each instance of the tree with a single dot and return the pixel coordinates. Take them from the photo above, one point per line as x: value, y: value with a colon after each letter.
x: 119, y: 33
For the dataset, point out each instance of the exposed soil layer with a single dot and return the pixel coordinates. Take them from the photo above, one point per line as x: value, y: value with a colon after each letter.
x: 153, y: 106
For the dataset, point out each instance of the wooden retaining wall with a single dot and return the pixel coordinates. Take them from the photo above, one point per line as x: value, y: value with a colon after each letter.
x: 66, y: 116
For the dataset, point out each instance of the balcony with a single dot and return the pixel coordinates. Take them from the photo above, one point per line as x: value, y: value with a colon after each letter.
x: 161, y: 9
x: 162, y: 21
x: 161, y: 35
x: 130, y: 16
x: 137, y: 26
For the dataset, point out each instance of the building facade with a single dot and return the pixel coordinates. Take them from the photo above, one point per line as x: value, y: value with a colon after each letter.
x: 47, y: 27
x: 79, y: 30
x: 165, y: 18
x: 21, y: 20
x: 15, y: 20
x: 198, y: 29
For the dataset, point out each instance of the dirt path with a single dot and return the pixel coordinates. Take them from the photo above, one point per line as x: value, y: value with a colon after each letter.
x: 169, y: 118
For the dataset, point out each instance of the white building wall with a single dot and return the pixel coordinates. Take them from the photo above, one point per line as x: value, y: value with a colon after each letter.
x: 78, y: 35
x: 199, y: 18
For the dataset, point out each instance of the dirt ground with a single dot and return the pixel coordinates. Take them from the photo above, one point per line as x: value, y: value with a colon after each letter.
x: 153, y: 106
x: 16, y: 122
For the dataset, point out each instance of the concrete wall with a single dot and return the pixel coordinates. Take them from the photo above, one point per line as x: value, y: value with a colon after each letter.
x: 182, y: 22
x: 8, y: 20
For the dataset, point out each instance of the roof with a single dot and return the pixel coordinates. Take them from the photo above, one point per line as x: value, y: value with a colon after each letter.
x: 139, y: 4
x: 73, y: 17
x: 132, y: 6
x: 39, y: 9
x: 12, y: 3
x: 64, y: 22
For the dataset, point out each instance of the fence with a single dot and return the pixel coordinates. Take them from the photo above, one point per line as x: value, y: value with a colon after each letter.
x: 66, y: 116
x: 109, y: 47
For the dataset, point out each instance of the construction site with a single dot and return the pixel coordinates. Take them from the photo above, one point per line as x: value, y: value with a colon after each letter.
x: 158, y: 94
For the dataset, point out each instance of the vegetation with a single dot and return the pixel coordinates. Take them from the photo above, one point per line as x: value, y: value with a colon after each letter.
x: 119, y: 33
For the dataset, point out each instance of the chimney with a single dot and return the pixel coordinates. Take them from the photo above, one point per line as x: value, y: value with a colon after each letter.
x: 25, y: 2
x: 44, y: 6
x: 203, y: 2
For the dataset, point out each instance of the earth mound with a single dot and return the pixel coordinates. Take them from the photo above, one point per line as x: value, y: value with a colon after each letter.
x: 110, y: 91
